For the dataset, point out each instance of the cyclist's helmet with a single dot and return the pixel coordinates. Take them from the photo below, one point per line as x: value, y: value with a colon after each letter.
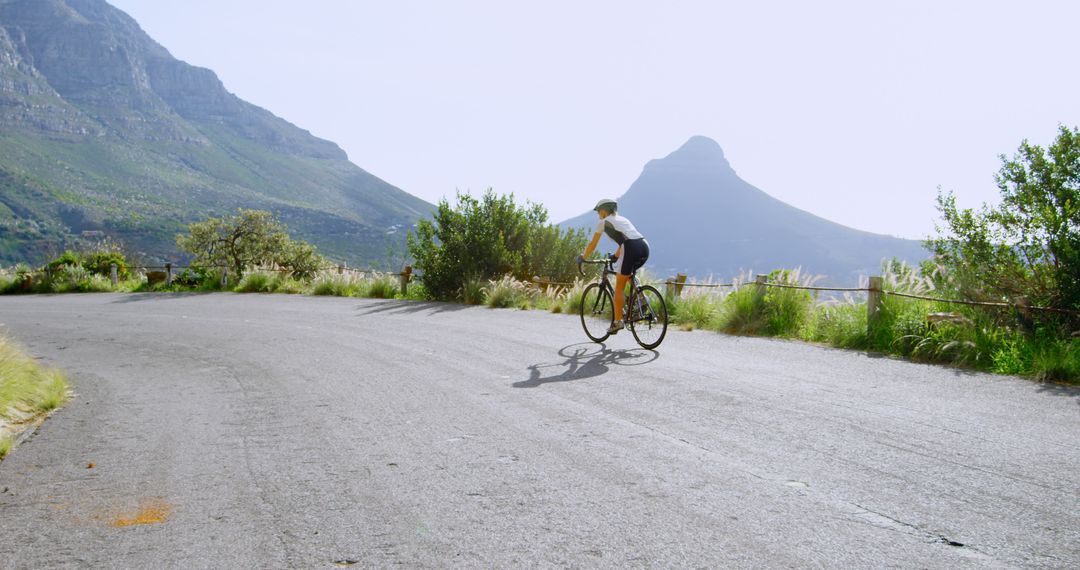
x: 606, y: 204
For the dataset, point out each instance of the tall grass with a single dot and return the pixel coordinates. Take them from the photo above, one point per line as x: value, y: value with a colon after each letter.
x: 840, y: 323
x: 380, y: 286
x: 774, y: 311
x: 256, y: 282
x: 699, y: 308
x: 508, y: 292
x: 26, y: 390
x: 472, y: 291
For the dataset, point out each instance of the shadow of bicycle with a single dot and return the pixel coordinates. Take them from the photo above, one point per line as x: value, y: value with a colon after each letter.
x: 584, y: 360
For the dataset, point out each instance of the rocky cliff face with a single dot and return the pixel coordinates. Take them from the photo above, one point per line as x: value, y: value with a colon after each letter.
x: 26, y: 98
x: 100, y: 118
x: 702, y: 219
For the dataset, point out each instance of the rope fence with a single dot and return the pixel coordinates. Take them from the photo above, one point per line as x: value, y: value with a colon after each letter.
x: 874, y: 290
x: 809, y: 288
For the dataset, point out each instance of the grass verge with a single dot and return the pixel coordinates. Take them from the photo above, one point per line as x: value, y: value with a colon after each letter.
x: 28, y: 391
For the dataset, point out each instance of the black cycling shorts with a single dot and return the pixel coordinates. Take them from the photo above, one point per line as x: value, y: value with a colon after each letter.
x: 635, y: 252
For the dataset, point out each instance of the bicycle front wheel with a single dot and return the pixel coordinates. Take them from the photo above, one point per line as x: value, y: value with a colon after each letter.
x: 597, y: 312
x: 649, y: 317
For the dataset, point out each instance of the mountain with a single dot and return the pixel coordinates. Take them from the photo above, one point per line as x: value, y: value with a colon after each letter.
x: 702, y: 219
x: 102, y: 130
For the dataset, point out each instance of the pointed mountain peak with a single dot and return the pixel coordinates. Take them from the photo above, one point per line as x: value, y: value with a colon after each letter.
x: 698, y: 152
x: 700, y: 146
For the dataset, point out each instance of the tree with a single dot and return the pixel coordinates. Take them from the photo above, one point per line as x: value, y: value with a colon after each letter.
x: 1029, y: 245
x: 245, y: 240
x: 487, y: 238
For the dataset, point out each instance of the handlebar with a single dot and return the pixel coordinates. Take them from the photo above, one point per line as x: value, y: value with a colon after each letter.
x: 607, y: 262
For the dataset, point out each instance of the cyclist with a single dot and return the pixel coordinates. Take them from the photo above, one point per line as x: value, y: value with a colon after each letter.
x: 632, y: 253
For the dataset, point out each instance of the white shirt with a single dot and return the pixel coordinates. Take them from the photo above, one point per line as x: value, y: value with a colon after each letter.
x: 618, y: 228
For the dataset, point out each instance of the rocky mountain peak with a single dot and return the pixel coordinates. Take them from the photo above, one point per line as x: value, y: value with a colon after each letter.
x: 699, y: 154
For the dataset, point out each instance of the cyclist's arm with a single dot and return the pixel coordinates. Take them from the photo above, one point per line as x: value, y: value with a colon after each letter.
x: 618, y: 252
x: 592, y: 245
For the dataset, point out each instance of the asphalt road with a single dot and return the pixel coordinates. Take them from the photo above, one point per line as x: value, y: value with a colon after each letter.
x: 253, y: 431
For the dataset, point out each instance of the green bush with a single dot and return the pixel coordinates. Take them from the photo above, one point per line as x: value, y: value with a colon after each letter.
x: 1029, y: 243
x: 484, y: 239
x: 101, y: 262
x: 21, y: 279
x: 65, y: 260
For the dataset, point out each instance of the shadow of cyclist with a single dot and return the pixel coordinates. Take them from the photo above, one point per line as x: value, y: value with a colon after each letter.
x: 585, y: 360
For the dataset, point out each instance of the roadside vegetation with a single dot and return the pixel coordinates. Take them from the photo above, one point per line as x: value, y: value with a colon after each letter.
x: 486, y: 251
x: 990, y: 339
x: 27, y: 392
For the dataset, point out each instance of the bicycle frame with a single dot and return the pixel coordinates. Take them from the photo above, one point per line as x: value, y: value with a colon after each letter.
x: 631, y: 311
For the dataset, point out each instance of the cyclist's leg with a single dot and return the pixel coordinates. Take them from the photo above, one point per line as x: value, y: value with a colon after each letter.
x: 620, y: 297
x: 635, y: 253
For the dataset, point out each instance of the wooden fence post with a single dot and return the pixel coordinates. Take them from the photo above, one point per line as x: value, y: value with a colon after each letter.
x: 168, y: 274
x: 760, y: 281
x: 113, y: 274
x: 341, y: 269
x: 405, y: 277
x: 873, y: 302
x: 224, y: 276
x: 1023, y: 314
x: 674, y: 286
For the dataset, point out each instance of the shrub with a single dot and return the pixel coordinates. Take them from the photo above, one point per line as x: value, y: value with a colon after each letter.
x: 100, y: 263
x: 65, y: 260
x: 484, y: 239
x: 1028, y: 244
x: 20, y: 279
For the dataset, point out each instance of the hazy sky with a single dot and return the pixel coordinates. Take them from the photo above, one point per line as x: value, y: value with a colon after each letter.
x: 856, y: 111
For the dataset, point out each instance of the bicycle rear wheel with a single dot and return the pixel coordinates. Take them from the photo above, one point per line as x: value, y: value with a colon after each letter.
x: 649, y: 317
x: 597, y: 312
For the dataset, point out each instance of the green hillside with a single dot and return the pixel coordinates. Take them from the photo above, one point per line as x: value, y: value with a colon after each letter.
x: 102, y: 130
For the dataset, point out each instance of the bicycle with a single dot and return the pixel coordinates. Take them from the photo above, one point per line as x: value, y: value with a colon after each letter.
x: 645, y: 313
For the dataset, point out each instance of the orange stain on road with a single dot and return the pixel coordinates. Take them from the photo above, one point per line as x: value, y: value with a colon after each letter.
x: 150, y: 512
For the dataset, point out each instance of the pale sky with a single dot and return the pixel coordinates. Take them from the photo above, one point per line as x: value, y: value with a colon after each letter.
x: 856, y: 111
